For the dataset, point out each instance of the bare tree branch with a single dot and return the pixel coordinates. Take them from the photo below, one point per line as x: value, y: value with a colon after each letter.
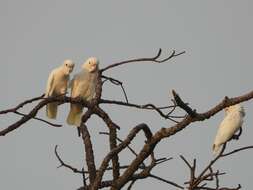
x: 41, y: 104
x: 236, y: 150
x: 136, y: 169
x: 117, y: 150
x: 151, y: 59
x: 145, y: 107
x: 39, y: 119
x: 75, y: 170
x: 167, y: 132
x: 166, y: 181
x: 116, y: 82
x: 22, y: 104
x: 89, y: 155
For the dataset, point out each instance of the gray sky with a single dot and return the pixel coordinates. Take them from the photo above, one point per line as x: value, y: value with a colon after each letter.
x: 36, y: 36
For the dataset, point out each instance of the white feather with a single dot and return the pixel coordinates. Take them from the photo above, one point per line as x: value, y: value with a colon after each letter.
x: 57, y: 85
x: 83, y: 86
x: 231, y: 123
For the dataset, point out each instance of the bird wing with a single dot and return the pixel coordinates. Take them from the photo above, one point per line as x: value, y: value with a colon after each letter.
x: 227, y: 128
x: 80, y: 85
x: 50, y: 82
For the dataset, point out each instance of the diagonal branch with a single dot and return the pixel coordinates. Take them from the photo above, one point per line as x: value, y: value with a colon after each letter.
x: 40, y: 105
x: 22, y: 104
x: 236, y: 150
x: 118, y: 83
x: 167, y: 132
x: 166, y: 181
x: 181, y: 104
x: 39, y: 119
x: 145, y: 107
x: 117, y: 150
x: 75, y: 170
x: 130, y: 149
x: 198, y: 179
x: 151, y: 59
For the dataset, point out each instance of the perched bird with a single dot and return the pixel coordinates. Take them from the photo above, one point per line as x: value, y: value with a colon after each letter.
x: 231, y: 123
x: 83, y: 86
x: 57, y: 85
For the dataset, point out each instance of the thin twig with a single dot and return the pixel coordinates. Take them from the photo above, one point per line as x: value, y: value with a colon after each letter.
x: 151, y: 59
x: 166, y: 181
x: 40, y: 105
x: 131, y: 184
x: 39, y: 119
x: 146, y: 106
x: 118, y: 149
x: 130, y: 149
x: 22, y: 104
x: 75, y: 170
x: 237, y: 150
x: 116, y: 82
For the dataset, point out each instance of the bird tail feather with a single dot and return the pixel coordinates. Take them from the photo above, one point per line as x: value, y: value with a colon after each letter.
x: 51, y: 110
x: 75, y: 113
x: 216, y: 149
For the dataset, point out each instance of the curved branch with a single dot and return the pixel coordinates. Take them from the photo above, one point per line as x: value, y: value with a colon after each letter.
x: 237, y: 150
x: 130, y: 149
x: 118, y: 149
x: 167, y: 132
x: 39, y: 119
x: 40, y: 105
x: 75, y: 170
x: 151, y: 59
x: 116, y: 82
x: 22, y: 104
x: 112, y: 139
x: 145, y: 107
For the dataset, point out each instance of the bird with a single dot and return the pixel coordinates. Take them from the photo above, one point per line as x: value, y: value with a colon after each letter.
x: 57, y: 84
x: 232, y: 122
x: 83, y: 86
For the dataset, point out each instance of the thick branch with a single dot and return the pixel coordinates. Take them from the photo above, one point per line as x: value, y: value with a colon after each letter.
x: 103, y: 115
x: 167, y: 132
x: 118, y: 149
x: 183, y: 105
x: 89, y: 155
x: 112, y: 139
x: 115, y: 159
x: 40, y: 105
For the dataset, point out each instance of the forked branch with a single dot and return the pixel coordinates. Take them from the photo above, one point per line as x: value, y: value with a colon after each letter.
x: 154, y: 59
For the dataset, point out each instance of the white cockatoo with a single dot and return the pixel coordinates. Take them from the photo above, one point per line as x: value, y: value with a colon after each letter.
x: 231, y: 123
x: 83, y: 86
x: 57, y: 84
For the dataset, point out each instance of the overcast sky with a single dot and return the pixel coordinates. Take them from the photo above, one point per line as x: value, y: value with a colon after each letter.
x: 36, y: 36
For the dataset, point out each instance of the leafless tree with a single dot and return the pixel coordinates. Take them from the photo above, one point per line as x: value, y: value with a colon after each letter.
x: 136, y: 169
